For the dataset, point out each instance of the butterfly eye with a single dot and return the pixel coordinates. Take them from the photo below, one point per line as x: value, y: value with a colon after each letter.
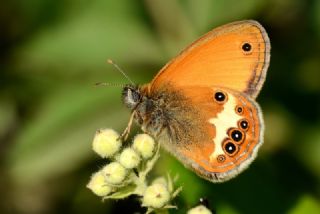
x: 131, y: 96
x: 230, y: 148
x: 243, y: 124
x: 246, y: 48
x: 220, y: 97
x: 236, y: 135
x: 221, y: 158
x: 239, y: 110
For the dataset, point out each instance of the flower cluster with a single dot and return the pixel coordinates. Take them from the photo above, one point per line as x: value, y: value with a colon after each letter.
x: 200, y: 209
x: 126, y: 172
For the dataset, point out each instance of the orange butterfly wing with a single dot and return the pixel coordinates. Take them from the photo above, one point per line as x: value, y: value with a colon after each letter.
x: 233, y: 59
x: 235, y: 56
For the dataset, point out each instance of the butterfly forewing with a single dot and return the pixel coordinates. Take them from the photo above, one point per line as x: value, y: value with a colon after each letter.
x: 235, y: 56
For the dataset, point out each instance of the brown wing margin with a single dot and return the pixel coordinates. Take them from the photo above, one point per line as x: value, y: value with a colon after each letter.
x: 256, y: 82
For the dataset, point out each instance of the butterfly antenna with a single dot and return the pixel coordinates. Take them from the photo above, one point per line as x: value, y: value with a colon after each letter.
x: 120, y: 70
x: 109, y: 84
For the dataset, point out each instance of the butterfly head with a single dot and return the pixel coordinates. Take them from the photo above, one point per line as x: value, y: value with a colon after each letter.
x: 131, y: 96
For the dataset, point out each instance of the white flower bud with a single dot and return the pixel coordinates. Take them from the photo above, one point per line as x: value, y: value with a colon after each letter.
x: 160, y: 180
x: 199, y: 210
x: 129, y: 158
x: 156, y: 196
x: 144, y: 144
x: 98, y: 185
x: 106, y: 142
x: 114, y: 173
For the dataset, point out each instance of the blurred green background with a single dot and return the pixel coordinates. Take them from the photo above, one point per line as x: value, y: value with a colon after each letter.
x: 52, y: 53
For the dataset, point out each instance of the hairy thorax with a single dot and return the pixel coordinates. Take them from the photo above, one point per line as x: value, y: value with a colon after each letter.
x: 167, y: 115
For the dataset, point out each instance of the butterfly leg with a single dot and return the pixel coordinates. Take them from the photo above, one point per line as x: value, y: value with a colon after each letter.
x: 126, y: 132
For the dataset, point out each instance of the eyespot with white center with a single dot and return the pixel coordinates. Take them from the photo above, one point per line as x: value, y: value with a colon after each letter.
x: 243, y: 124
x: 239, y: 110
x: 220, y: 97
x: 230, y: 148
x: 246, y: 48
x: 236, y: 135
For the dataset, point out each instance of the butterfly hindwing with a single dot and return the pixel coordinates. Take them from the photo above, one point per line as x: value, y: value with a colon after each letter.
x: 225, y: 133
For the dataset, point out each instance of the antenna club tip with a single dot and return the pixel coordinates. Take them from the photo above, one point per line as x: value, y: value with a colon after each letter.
x: 119, y: 69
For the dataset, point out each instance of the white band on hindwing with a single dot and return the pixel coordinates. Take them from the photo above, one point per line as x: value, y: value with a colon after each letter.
x: 224, y: 120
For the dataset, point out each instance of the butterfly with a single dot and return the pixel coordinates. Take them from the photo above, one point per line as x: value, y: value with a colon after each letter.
x: 201, y: 105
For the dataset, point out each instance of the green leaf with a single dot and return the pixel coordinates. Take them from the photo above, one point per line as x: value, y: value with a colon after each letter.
x: 306, y: 204
x: 122, y: 192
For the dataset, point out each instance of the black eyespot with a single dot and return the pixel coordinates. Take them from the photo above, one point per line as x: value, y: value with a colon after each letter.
x: 221, y: 158
x: 244, y: 124
x: 230, y: 148
x: 246, y: 47
x: 236, y: 135
x: 220, y: 96
x: 239, y: 109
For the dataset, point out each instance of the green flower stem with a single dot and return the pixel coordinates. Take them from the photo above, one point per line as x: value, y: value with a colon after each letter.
x: 140, y: 180
x: 149, y: 165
